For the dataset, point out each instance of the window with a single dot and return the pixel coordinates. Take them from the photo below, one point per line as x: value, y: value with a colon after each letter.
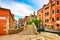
x: 52, y: 27
x: 46, y: 14
x: 46, y: 8
x: 52, y: 11
x: 46, y: 20
x: 45, y: 25
x: 57, y: 11
x: 57, y: 25
x: 52, y: 19
x: 57, y: 18
x: 52, y: 4
x: 57, y: 3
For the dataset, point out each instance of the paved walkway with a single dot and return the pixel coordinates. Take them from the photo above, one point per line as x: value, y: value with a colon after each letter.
x: 29, y: 34
x: 41, y: 36
x: 17, y: 37
x: 29, y: 30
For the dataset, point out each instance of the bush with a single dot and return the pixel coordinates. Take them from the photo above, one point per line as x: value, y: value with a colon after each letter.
x: 29, y: 22
x: 35, y: 21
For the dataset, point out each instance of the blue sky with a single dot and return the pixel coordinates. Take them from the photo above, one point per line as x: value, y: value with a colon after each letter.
x: 22, y: 8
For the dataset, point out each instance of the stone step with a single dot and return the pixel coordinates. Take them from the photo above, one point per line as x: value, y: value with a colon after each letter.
x: 30, y: 29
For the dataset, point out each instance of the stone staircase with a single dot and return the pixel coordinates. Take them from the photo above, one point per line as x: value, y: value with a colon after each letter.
x: 29, y: 30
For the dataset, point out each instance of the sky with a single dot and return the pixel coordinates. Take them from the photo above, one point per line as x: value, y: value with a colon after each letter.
x: 22, y: 8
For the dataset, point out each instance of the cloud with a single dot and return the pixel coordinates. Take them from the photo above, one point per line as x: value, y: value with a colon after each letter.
x: 39, y: 3
x: 19, y: 9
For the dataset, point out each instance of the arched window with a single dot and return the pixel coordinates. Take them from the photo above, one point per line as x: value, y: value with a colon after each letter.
x: 57, y: 25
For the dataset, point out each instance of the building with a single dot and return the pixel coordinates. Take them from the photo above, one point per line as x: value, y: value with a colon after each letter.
x: 32, y: 16
x: 20, y: 22
x: 15, y: 24
x: 6, y: 21
x: 25, y: 19
x: 50, y: 15
x: 40, y: 17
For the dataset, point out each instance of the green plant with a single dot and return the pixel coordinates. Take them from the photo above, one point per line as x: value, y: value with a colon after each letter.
x: 35, y: 21
x: 29, y: 22
x: 37, y: 24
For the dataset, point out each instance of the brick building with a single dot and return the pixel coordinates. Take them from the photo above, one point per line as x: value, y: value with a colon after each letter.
x: 39, y: 16
x: 6, y: 20
x: 25, y: 19
x: 50, y: 15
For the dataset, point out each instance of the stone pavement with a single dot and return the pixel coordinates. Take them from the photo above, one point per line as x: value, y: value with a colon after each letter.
x: 16, y: 37
x: 30, y: 34
x: 41, y: 36
x: 47, y: 36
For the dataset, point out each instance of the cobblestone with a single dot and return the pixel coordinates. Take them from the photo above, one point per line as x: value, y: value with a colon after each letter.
x: 29, y: 34
x: 41, y: 36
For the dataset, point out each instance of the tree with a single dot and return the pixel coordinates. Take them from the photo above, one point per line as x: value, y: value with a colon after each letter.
x: 37, y: 23
x: 29, y: 22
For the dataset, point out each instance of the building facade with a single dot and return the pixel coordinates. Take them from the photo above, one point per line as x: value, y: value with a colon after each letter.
x: 15, y: 24
x: 50, y: 15
x: 20, y: 22
x: 40, y: 16
x: 25, y: 19
x: 6, y: 21
x: 32, y: 16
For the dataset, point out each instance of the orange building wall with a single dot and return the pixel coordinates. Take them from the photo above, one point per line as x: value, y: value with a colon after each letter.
x: 4, y: 13
x: 50, y: 16
x: 40, y: 16
x: 11, y: 20
x: 25, y: 19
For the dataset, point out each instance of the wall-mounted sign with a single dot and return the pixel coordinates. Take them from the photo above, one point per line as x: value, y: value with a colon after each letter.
x: 2, y: 18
